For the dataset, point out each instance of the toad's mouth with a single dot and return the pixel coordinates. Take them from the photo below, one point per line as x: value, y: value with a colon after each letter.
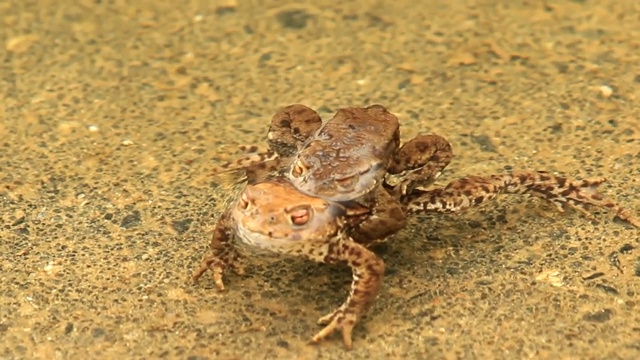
x: 266, y: 239
x: 285, y: 243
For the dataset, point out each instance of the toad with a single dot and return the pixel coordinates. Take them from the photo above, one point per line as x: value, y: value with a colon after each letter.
x: 272, y: 216
x: 352, y: 156
x: 346, y: 156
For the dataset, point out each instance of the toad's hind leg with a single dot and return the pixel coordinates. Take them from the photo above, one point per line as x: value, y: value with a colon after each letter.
x: 368, y: 271
x: 255, y: 172
x: 472, y: 191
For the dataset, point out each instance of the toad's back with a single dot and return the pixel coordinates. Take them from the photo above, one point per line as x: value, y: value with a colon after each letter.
x: 349, y: 155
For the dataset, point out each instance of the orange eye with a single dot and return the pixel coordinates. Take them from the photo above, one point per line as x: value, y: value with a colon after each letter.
x: 300, y: 216
x: 243, y: 202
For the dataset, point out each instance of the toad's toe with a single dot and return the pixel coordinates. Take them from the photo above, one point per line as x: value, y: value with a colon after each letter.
x: 337, y: 320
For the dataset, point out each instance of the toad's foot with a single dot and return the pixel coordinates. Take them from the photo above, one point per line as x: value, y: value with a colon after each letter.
x: 368, y: 270
x: 472, y: 191
x: 337, y: 320
x: 217, y: 267
x: 222, y: 254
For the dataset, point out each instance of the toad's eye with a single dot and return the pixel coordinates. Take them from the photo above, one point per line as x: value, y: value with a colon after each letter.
x: 243, y: 202
x: 300, y: 215
x: 347, y: 183
x: 298, y: 169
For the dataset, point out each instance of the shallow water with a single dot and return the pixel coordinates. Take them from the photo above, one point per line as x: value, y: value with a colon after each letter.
x: 113, y: 115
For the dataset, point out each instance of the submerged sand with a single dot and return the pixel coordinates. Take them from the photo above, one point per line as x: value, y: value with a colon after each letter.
x: 113, y: 114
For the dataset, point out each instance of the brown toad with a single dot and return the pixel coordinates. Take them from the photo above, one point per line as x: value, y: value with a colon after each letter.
x: 273, y: 216
x: 347, y: 156
x: 276, y: 217
x: 352, y: 156
x: 356, y: 168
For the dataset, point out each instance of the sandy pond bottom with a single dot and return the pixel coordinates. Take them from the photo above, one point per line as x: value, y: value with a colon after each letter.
x: 112, y: 114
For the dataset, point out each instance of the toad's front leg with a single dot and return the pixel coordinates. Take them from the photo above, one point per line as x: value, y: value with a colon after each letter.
x: 473, y: 191
x: 418, y: 163
x: 244, y: 162
x: 253, y: 170
x: 221, y: 254
x: 289, y: 128
x: 385, y: 218
x: 368, y: 271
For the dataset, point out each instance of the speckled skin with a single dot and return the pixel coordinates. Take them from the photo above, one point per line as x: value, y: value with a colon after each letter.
x: 311, y: 227
x: 274, y: 216
x: 347, y: 156
x: 351, y: 157
x: 562, y: 192
x: 262, y: 218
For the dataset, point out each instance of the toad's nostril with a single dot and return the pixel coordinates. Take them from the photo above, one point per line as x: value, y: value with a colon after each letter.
x: 298, y: 169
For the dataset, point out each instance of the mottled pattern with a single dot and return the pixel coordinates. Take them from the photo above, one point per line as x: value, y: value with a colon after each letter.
x: 262, y: 159
x: 290, y: 128
x: 472, y: 191
x: 368, y: 270
x: 274, y: 217
x: 346, y: 157
x: 277, y: 218
x: 222, y: 253
x: 349, y: 155
x: 347, y: 142
x: 386, y: 217
x: 418, y: 163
